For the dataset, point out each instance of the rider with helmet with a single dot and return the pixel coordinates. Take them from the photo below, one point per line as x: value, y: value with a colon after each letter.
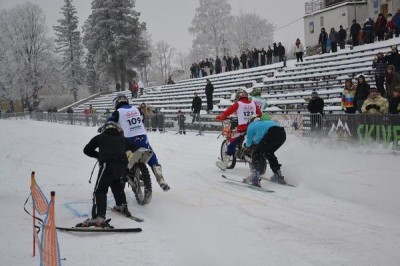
x: 131, y: 121
x: 264, y: 137
x: 243, y: 108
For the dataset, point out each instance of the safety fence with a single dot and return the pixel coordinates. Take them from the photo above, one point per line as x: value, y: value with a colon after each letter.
x: 352, y: 128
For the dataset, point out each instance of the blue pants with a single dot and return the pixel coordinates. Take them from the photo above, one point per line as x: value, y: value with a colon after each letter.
x: 142, y: 141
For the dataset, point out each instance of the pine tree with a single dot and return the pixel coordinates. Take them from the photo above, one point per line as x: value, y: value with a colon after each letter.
x: 113, y: 31
x: 69, y: 45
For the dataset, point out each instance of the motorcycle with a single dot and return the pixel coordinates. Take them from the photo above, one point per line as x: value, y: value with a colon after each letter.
x: 228, y: 131
x: 138, y: 175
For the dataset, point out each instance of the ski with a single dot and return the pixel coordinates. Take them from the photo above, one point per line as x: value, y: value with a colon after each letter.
x: 137, y: 219
x: 99, y: 229
x: 247, y: 185
x: 269, y: 179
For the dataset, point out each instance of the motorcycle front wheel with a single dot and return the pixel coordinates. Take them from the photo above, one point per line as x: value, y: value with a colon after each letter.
x: 232, y: 158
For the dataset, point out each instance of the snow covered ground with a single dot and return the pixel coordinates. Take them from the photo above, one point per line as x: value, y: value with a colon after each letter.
x: 345, y: 209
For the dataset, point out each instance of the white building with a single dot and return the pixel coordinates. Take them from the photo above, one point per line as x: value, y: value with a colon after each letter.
x: 333, y: 13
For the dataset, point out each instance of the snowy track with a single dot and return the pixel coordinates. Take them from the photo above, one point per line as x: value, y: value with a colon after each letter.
x: 345, y: 209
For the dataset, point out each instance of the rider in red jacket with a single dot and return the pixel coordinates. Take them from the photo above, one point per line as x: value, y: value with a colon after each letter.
x: 243, y: 108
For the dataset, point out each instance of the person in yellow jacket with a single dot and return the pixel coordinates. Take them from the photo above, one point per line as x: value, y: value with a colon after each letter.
x: 375, y: 103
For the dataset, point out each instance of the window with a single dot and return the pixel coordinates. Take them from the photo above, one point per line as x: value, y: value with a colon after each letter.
x: 311, y: 26
x: 321, y: 21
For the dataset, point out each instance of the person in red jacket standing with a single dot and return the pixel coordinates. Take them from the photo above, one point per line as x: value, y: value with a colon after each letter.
x: 243, y: 108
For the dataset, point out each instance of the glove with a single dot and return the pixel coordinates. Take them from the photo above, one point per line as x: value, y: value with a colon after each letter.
x: 129, y: 154
x: 375, y: 106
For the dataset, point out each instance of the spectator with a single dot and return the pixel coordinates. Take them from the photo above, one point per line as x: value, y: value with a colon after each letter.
x: 117, y: 86
x: 236, y: 63
x: 269, y: 55
x: 354, y: 31
x: 299, y: 50
x: 393, y: 58
x: 211, y: 66
x: 361, y: 37
x: 396, y: 23
x: 362, y: 92
x: 333, y: 36
x: 392, y: 80
x: 380, y: 27
x: 342, y: 34
x: 70, y: 113
x: 170, y: 81
x: 256, y: 63
x: 394, y: 102
x: 86, y: 114
x: 93, y: 115
x: 107, y: 114
x: 316, y: 108
x: 250, y: 59
x: 196, y: 107
x: 134, y: 88
x: 49, y: 116
x: 218, y: 65
x: 243, y: 60
x: 181, y: 122
x: 275, y: 52
x: 369, y: 30
x: 141, y: 87
x: 348, y: 94
x: 229, y: 63
x: 281, y: 52
x: 262, y: 53
x: 322, y: 40
x: 389, y: 27
x: 209, y: 94
x: 224, y: 64
x: 375, y: 103
x: 379, y: 64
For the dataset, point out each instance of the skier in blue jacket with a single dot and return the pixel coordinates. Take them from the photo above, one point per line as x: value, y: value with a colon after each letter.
x: 264, y: 137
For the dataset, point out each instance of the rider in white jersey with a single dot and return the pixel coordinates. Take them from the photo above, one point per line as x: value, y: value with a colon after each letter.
x: 131, y: 121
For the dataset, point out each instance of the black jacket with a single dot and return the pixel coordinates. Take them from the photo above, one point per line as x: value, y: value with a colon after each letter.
x: 316, y: 105
x: 196, y: 104
x: 209, y: 89
x: 393, y: 105
x: 112, y: 147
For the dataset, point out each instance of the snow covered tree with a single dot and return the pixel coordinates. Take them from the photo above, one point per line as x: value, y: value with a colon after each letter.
x: 210, y: 24
x: 162, y: 62
x: 69, y: 46
x: 28, y: 61
x: 249, y: 31
x: 114, y: 34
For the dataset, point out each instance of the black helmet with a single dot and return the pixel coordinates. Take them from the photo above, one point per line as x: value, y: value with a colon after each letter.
x: 119, y: 100
x: 111, y: 125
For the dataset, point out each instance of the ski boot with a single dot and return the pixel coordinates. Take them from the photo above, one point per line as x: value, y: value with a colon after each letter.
x: 96, y: 222
x: 223, y: 164
x: 123, y: 208
x: 157, y: 171
x: 278, y: 178
x: 253, y: 179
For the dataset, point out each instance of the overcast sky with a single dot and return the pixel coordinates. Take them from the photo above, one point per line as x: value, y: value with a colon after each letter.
x: 168, y: 20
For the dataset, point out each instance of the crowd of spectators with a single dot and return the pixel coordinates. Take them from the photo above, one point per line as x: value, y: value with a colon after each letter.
x: 248, y: 59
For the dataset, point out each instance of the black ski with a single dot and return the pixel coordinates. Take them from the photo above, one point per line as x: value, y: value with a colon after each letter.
x: 99, y: 229
x: 269, y: 179
x: 247, y: 185
x: 137, y: 219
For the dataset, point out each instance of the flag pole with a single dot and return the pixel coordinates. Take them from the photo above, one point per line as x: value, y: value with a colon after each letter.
x: 34, y: 218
